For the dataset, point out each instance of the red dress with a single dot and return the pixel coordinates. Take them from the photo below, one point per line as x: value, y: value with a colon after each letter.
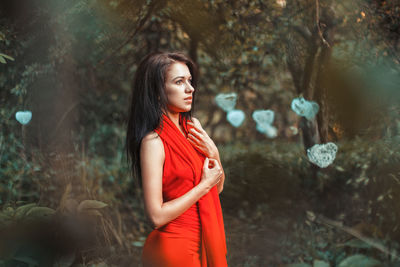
x: 196, y: 238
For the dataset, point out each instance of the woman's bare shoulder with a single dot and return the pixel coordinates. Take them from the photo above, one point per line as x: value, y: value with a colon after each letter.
x: 150, y: 136
x: 152, y: 141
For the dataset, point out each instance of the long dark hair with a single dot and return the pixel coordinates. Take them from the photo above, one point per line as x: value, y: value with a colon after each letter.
x: 148, y: 100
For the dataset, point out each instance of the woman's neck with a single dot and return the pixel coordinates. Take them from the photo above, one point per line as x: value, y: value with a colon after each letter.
x: 174, y: 117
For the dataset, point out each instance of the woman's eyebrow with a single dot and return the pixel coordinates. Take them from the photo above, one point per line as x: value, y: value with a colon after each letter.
x: 180, y: 77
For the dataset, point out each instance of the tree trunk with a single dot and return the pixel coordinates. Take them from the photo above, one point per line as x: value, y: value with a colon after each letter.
x: 308, y: 79
x: 65, y: 102
x: 320, y: 93
x: 316, y: 60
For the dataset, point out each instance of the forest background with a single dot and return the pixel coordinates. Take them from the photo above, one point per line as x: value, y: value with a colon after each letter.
x: 66, y: 195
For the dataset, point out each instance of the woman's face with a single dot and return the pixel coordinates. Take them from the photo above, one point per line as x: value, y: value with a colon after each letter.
x: 178, y: 88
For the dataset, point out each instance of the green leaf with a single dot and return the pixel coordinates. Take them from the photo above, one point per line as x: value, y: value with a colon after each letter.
x: 91, y: 204
x: 21, y: 211
x: 8, y: 57
x: 40, y: 212
x: 310, y: 215
x: 93, y: 212
x: 318, y: 263
x: 357, y: 243
x: 359, y: 260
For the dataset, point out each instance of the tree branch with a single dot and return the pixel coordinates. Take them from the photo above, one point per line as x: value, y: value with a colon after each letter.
x: 141, y: 23
x: 317, y: 22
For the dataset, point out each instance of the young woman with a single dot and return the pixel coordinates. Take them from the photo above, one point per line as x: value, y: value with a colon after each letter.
x: 178, y: 166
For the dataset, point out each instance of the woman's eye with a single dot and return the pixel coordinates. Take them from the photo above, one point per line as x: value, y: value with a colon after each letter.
x: 179, y: 82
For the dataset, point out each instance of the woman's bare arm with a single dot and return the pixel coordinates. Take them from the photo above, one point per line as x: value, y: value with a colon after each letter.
x: 152, y: 160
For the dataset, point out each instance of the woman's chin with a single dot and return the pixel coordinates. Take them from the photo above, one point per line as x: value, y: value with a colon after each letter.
x: 186, y: 109
x: 180, y: 110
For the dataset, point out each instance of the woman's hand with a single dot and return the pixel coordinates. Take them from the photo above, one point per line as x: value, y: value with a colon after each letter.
x: 202, y: 142
x: 200, y: 139
x: 212, y: 173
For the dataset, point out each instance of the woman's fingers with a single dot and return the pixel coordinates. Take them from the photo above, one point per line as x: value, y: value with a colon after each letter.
x: 214, y: 162
x: 198, y: 146
x: 199, y: 129
x: 193, y: 142
x: 196, y: 132
x: 193, y: 138
x: 198, y: 137
x: 206, y: 162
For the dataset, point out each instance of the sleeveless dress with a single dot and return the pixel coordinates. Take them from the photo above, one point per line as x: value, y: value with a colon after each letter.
x: 196, y: 238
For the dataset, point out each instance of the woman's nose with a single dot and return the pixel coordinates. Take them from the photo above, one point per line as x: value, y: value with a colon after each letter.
x: 189, y: 87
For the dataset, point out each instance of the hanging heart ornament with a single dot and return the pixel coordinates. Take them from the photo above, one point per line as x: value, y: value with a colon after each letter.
x: 264, y: 120
x: 226, y: 101
x: 269, y: 130
x: 264, y: 117
x: 23, y: 117
x: 305, y: 108
x: 235, y: 117
x: 322, y: 154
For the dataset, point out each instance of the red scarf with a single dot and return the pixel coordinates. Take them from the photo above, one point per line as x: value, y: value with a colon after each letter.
x: 213, y: 234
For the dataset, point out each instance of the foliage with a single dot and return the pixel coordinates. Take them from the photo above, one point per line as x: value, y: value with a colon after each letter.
x: 41, y: 236
x: 275, y: 194
x: 72, y: 62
